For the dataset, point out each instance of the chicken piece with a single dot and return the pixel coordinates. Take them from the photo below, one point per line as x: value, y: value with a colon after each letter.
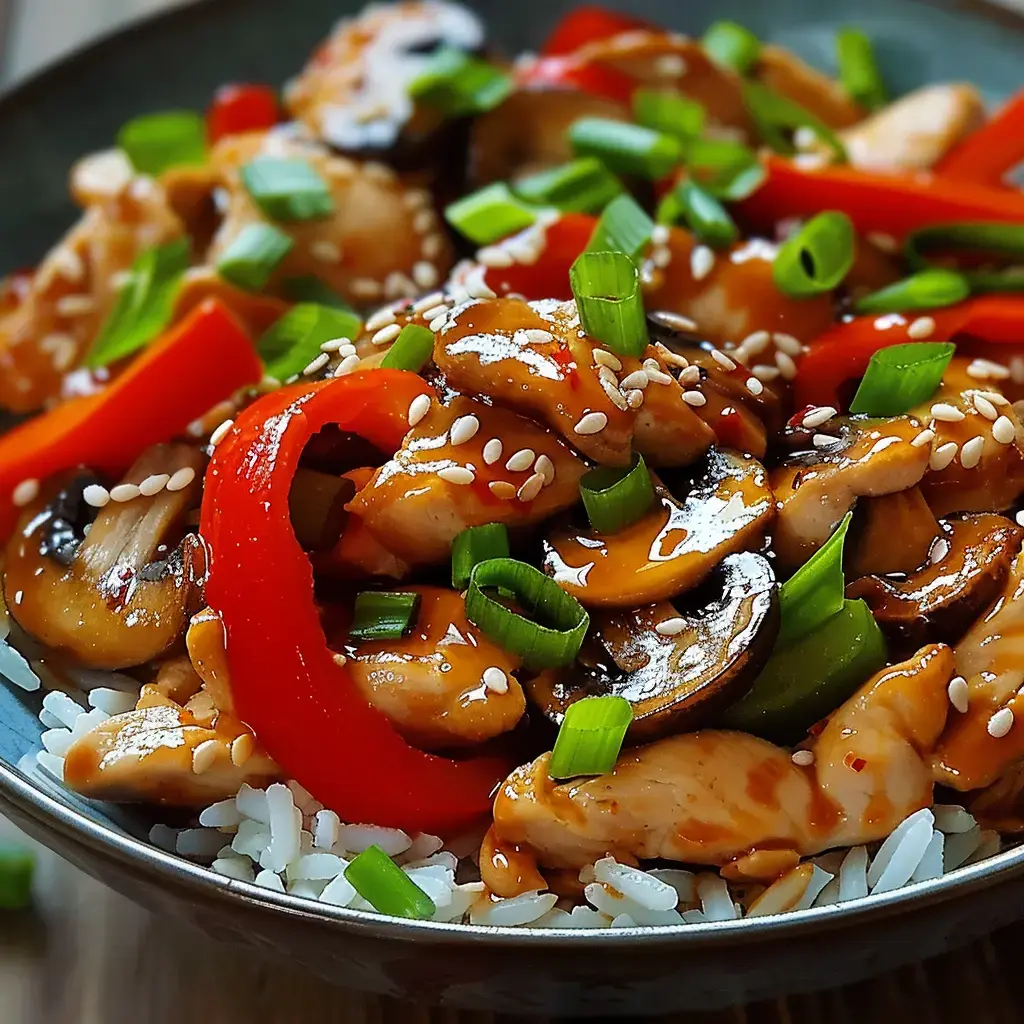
x: 535, y: 358
x: 343, y: 249
x: 453, y: 472
x: 443, y: 686
x: 711, y: 797
x: 892, y: 534
x: 207, y: 652
x: 75, y: 288
x: 815, y: 488
x: 916, y: 131
x: 785, y: 73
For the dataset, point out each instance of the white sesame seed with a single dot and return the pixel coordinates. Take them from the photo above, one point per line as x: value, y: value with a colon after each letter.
x: 180, y: 479
x: 415, y: 198
x: 959, y: 694
x: 691, y: 375
x: 242, y: 748
x: 785, y: 364
x: 418, y: 408
x: 723, y: 360
x: 661, y: 256
x: 537, y: 336
x: 994, y: 397
x: 811, y: 161
x: 805, y: 137
x: 985, y: 407
x: 788, y: 344
x: 946, y: 413
x: 336, y: 345
x: 26, y: 491
x: 985, y: 369
x: 675, y: 321
x: 424, y: 274
x: 754, y: 386
x: 492, y: 451
x: 592, y: 423
x: 971, y: 452
x: 124, y: 492
x: 635, y: 399
x: 69, y: 264
x: 938, y: 550
x: 398, y: 286
x: 614, y: 395
x: 670, y: 65
x: 423, y: 222
x: 428, y: 302
x: 96, y: 496
x: 803, y: 758
x: 463, y: 429
x: 365, y: 288
x: 315, y: 365
x: 882, y: 241
x: 694, y: 398
x: 702, y: 260
x: 942, y: 456
x: 531, y: 488
x: 922, y: 327
x: 766, y: 373
x: 440, y: 310
x: 660, y: 234
x: 816, y: 417
x: 494, y: 256
x: 460, y: 475
x: 204, y: 755
x: 326, y: 251
x: 1003, y: 430
x: 756, y: 342
x: 156, y: 482
x: 75, y: 305
x: 670, y: 627
x: 377, y: 171
x: 521, y: 461
x: 439, y: 322
x: 431, y: 246
x: 605, y: 358
x: 1000, y: 723
x: 825, y: 440
x: 656, y: 375
x: 670, y: 357
x: 502, y: 489
x: 386, y: 334
x: 925, y: 437
x: 380, y: 319
x: 347, y: 365
x: 546, y: 468
x: 1019, y: 518
x: 636, y: 379
x: 495, y: 680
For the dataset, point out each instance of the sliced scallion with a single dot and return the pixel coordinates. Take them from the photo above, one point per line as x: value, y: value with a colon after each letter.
x: 539, y: 645
x: 156, y: 142
x: 902, y: 376
x: 858, y: 69
x: 384, y: 885
x: 255, y: 253
x: 17, y: 867
x: 777, y: 117
x: 411, y: 350
x: 287, y: 190
x: 728, y: 170
x: 607, y: 290
x: 732, y: 46
x: 615, y: 497
x: 490, y: 214
x: 974, y: 239
x: 310, y: 288
x: 294, y: 341
x: 582, y: 186
x: 474, y: 545
x: 705, y: 216
x: 626, y: 148
x: 458, y: 84
x: 669, y: 112
x: 145, y: 304
x: 590, y: 737
x: 927, y: 289
x: 383, y: 614
x: 624, y: 226
x: 817, y: 257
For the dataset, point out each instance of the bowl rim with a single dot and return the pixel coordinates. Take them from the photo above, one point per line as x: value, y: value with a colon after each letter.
x: 22, y: 796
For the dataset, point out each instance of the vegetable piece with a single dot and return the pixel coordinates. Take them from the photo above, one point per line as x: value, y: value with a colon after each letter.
x: 383, y: 615
x: 145, y: 304
x: 814, y: 593
x: 626, y: 148
x: 615, y: 497
x: 607, y: 290
x: 539, y: 645
x: 732, y: 46
x: 381, y: 882
x: 807, y: 680
x: 702, y: 212
x: 254, y: 255
x: 817, y: 257
x: 289, y: 345
x: 239, y: 108
x: 727, y: 169
x: 858, y: 69
x: 583, y: 186
x: 572, y: 74
x: 308, y: 714
x: 458, y: 84
x: 902, y: 376
x: 977, y: 239
x: 17, y: 867
x: 988, y: 155
x: 590, y: 737
x: 310, y: 288
x: 156, y: 142
x: 623, y: 227
x: 181, y: 376
x: 669, y: 113
x: 777, y: 117
x: 287, y: 190
x: 588, y: 24
x: 474, y: 545
x: 927, y: 289
x: 492, y: 213
x: 411, y: 349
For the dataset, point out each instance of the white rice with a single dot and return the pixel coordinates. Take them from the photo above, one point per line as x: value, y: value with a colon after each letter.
x: 640, y: 886
x: 518, y: 910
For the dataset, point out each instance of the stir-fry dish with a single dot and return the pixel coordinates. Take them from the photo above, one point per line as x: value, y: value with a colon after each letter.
x: 573, y: 492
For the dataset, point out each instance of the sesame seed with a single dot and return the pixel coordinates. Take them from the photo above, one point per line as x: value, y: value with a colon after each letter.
x: 785, y: 364
x: 942, y: 456
x: 615, y: 396
x: 424, y: 221
x: 766, y: 373
x: 337, y: 344
x: 326, y: 251
x: 386, y: 334
x: 661, y: 256
x: 922, y: 327
x: 124, y: 492
x: 460, y: 475
x: 398, y: 286
x: 415, y: 198
x: 691, y: 375
x: 1019, y: 518
x: 464, y: 429
x: 985, y: 369
x: 670, y: 627
x: 432, y: 246
x: 96, y: 496
x: 495, y: 680
x: 424, y: 274
x: 1000, y: 723
x: 670, y: 357
x: 756, y: 342
x: 674, y: 321
x: 382, y: 318
x: 204, y: 755
x: 825, y: 440
x: 440, y: 310
x: 925, y: 437
x: 75, y: 305
x: 376, y: 171
x: 242, y: 748
x: 531, y: 488
x: 702, y: 260
x: 347, y: 365
x: 69, y: 264
x: 811, y: 161
x: 882, y: 241
x: 502, y: 489
x: 788, y: 344
x: 521, y: 461
x: 636, y: 379
x: 694, y: 398
x: 179, y: 480
x: 959, y: 694
x: 994, y: 397
x: 985, y: 407
x: 754, y: 386
x: 494, y: 256
x: 670, y: 65
x: 156, y: 482
x: 1003, y: 430
x: 816, y: 417
x: 971, y: 452
x: 592, y: 423
x: 660, y: 234
x: 492, y: 451
x: 655, y: 374
x: 604, y: 358
x: 26, y: 491
x: 946, y: 413
x: 418, y: 408
x: 427, y: 303
x: 635, y: 399
x: 315, y: 365
x: 546, y: 468
x: 365, y: 288
x: 723, y: 360
x: 803, y: 758
x: 938, y: 551
x: 439, y: 322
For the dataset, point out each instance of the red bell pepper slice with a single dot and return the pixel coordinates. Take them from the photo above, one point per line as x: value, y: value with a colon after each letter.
x: 589, y: 24
x: 179, y: 377
x: 239, y: 108
x: 842, y: 353
x: 287, y: 687
x: 892, y: 204
x: 570, y: 72
x: 989, y: 154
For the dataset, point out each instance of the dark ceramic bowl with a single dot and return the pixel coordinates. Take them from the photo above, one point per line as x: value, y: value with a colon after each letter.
x: 177, y: 60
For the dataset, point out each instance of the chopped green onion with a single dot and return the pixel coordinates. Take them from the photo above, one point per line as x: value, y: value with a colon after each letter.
x: 458, y: 84
x: 411, y: 350
x: 590, y: 737
x: 17, y: 866
x: 732, y: 46
x: 615, y: 497
x: 310, y: 288
x: 817, y: 257
x: 976, y: 238
x: 582, y: 186
x: 383, y: 614
x: 607, y: 290
x: 156, y: 142
x: 623, y: 227
x: 927, y: 289
x: 702, y: 212
x: 777, y: 117
x: 669, y: 112
x: 809, y: 679
x: 728, y: 170
x: 287, y: 190
x: 145, y: 304
x: 288, y: 346
x: 382, y: 883
x: 492, y: 213
x: 626, y: 148
x: 474, y: 545
x: 539, y: 645
x: 255, y: 253
x: 858, y: 69
x: 902, y: 376
x: 814, y: 593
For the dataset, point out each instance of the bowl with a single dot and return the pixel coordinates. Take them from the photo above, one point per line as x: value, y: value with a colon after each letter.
x: 177, y: 59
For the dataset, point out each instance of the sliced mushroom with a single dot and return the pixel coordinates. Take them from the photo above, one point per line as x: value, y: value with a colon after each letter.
x: 784, y: 72
x: 675, y: 663
x: 255, y: 310
x: 117, y: 592
x: 727, y: 508
x: 893, y: 533
x: 939, y: 601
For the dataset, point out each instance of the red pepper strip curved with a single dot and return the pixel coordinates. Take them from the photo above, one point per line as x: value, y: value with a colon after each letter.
x: 302, y: 706
x: 891, y: 204
x: 571, y: 72
x: 241, y: 108
x: 842, y: 353
x: 179, y: 377
x: 588, y: 24
x: 989, y: 154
